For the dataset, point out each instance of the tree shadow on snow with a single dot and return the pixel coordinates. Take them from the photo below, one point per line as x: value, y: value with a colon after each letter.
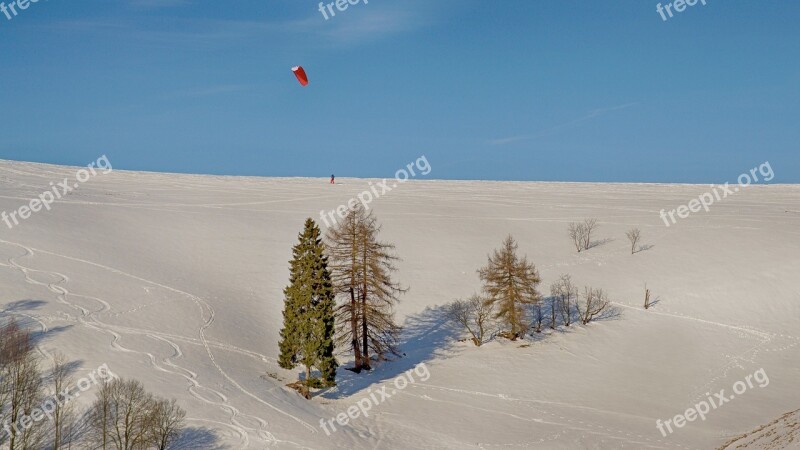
x: 17, y: 311
x: 20, y: 306
x: 71, y: 368
x: 600, y: 242
x: 656, y: 301
x: 611, y: 313
x: 197, y: 437
x: 39, y: 336
x: 424, y: 336
x: 190, y: 438
x: 547, y: 323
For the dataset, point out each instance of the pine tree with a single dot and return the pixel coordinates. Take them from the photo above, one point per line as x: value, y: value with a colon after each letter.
x: 510, y: 284
x: 308, y: 315
x: 362, y: 270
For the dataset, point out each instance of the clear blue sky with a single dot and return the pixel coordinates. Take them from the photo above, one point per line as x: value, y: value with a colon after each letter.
x: 571, y: 90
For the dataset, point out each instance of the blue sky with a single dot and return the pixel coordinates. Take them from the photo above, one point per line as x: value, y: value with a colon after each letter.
x: 566, y: 90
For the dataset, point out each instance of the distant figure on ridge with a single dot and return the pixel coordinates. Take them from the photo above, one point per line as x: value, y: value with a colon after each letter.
x: 332, y: 178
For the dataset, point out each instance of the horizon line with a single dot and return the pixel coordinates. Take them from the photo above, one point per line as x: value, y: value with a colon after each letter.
x: 417, y: 179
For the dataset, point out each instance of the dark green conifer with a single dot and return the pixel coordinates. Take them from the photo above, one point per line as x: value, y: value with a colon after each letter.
x: 308, y: 314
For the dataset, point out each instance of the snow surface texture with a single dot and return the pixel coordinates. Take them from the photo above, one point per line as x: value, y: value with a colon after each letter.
x: 177, y: 280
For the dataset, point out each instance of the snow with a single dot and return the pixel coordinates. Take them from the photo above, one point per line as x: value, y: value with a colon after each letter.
x: 176, y: 280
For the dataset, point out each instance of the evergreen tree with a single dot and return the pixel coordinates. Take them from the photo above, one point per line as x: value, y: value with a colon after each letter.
x: 510, y: 284
x: 308, y: 315
x: 362, y: 270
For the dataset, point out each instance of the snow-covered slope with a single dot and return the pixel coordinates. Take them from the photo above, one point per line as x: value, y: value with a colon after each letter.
x: 176, y: 280
x: 783, y: 432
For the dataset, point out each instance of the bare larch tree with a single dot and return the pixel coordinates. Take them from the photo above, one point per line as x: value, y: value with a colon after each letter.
x: 361, y: 269
x: 510, y: 284
x: 345, y: 267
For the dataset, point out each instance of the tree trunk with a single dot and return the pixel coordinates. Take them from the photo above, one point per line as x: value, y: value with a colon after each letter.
x: 364, y: 326
x: 365, y: 338
x: 307, y: 386
x: 354, y: 328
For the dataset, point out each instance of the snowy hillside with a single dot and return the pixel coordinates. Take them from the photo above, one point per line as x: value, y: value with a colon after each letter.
x: 176, y: 280
x: 783, y: 432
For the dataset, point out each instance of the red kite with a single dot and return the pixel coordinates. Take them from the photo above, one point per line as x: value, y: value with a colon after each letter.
x: 301, y: 75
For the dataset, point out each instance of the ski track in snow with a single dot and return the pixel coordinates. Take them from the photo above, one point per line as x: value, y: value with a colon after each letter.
x: 88, y: 319
x: 763, y: 341
x: 734, y: 361
x: 555, y: 418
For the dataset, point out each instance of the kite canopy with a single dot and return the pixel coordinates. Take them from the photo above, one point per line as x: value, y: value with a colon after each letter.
x: 301, y: 75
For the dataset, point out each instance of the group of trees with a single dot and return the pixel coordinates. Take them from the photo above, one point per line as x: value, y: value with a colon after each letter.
x: 21, y: 386
x: 123, y: 417
x: 564, y: 299
x: 350, y: 266
x: 341, y: 294
x: 510, y: 298
x: 581, y: 235
x: 126, y: 417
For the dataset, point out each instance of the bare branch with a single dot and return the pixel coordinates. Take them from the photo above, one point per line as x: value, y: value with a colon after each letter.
x: 633, y: 237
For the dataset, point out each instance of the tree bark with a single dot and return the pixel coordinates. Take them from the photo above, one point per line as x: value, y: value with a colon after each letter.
x: 354, y: 327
